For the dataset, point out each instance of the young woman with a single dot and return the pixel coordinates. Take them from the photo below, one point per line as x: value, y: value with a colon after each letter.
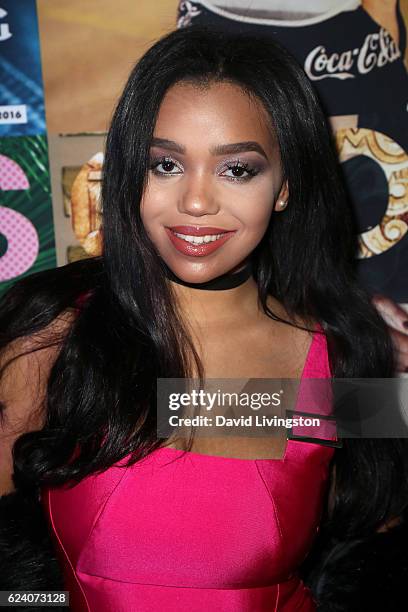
x: 222, y: 258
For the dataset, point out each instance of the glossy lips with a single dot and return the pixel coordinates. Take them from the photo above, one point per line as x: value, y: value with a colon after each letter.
x: 197, y: 250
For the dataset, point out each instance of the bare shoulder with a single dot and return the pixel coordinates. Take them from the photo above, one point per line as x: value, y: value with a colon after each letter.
x: 25, y: 365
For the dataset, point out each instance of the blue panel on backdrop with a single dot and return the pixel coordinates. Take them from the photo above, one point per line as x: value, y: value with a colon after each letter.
x: 21, y: 86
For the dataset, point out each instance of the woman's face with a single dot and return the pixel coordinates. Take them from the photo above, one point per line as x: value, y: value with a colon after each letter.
x: 215, y: 175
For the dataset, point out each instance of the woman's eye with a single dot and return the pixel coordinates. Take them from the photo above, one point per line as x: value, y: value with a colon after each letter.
x: 239, y: 171
x: 165, y: 166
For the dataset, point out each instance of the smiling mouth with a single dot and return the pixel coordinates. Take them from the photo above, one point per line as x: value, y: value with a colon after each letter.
x: 198, y: 242
x: 200, y: 239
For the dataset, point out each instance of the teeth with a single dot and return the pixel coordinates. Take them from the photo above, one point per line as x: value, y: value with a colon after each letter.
x: 200, y: 239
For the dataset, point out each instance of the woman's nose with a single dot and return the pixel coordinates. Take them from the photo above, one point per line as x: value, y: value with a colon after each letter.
x: 198, y: 197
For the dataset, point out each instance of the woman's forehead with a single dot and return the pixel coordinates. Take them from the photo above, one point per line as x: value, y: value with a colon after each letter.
x: 220, y: 110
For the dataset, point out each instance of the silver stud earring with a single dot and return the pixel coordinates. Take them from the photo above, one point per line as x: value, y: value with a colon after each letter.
x: 282, y: 204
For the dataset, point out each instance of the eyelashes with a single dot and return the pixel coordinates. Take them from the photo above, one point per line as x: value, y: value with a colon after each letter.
x: 239, y: 166
x: 241, y: 171
x: 165, y: 162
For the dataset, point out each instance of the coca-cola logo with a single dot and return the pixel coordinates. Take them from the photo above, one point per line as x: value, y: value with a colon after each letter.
x: 377, y: 50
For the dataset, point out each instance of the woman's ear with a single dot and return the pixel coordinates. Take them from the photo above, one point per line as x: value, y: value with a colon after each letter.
x: 282, y: 198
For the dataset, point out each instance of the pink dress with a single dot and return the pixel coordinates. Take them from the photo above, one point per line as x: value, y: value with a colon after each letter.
x: 199, y: 534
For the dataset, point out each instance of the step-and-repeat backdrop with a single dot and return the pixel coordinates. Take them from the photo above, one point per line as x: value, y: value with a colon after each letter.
x: 63, y: 64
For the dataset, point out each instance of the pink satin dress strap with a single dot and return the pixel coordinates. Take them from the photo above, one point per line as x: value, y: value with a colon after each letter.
x: 183, y: 531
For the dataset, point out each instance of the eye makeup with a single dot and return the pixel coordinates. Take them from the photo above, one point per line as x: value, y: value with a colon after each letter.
x: 168, y: 164
x: 238, y: 166
x: 241, y: 171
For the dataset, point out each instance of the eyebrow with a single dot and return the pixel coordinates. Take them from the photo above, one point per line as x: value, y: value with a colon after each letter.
x: 227, y: 149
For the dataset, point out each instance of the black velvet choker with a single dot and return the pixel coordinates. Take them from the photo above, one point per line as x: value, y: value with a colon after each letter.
x: 225, y: 281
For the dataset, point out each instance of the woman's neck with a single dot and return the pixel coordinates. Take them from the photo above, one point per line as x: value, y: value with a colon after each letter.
x: 224, y: 302
x: 229, y: 280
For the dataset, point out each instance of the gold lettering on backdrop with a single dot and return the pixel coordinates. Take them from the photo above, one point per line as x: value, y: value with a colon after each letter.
x: 393, y: 160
